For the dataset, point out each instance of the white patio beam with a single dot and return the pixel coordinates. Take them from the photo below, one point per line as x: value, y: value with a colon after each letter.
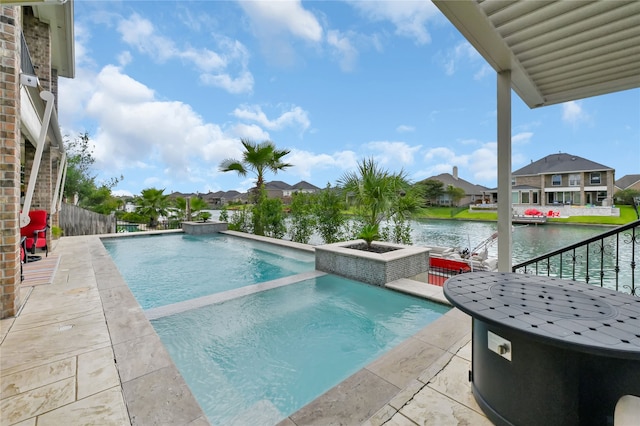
x: 504, y: 171
x: 62, y: 171
x: 35, y: 167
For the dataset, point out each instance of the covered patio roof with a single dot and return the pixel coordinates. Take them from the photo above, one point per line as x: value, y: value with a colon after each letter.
x: 557, y: 51
x: 548, y: 52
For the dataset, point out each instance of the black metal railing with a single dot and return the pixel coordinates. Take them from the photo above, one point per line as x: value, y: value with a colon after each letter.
x: 25, y: 58
x: 124, y: 226
x: 608, y: 260
x: 438, y: 275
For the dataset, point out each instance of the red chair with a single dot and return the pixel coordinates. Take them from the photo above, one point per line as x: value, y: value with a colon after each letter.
x: 36, y: 231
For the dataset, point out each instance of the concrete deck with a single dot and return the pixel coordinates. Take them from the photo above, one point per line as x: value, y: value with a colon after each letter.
x: 82, y: 351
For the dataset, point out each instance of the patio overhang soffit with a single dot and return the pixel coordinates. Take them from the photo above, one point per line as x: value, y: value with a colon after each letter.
x: 59, y: 15
x: 557, y: 51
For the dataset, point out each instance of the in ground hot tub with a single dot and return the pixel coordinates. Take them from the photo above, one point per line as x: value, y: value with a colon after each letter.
x: 546, y: 350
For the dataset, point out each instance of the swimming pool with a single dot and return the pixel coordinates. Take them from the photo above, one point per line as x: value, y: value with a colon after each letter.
x: 259, y: 358
x: 255, y: 356
x: 166, y: 269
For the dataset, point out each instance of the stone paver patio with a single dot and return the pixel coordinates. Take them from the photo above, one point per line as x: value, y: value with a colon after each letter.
x: 82, y: 351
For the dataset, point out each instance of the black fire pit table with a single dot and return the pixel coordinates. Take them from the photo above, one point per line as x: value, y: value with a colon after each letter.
x: 548, y: 351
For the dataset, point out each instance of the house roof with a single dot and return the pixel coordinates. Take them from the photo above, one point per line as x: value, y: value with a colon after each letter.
x: 557, y: 51
x: 231, y: 194
x: 468, y: 187
x: 180, y: 194
x: 524, y: 187
x: 277, y: 185
x: 627, y: 180
x: 305, y: 185
x: 560, y: 163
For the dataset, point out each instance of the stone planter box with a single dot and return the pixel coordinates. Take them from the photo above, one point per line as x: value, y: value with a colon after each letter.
x: 372, y: 268
x: 200, y: 228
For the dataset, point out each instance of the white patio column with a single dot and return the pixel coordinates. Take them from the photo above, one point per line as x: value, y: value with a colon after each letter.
x: 504, y: 171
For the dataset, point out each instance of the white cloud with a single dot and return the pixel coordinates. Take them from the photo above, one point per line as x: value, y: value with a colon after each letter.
x: 306, y: 162
x: 461, y: 53
x: 403, y: 128
x: 277, y: 24
x: 522, y: 138
x: 444, y: 154
x: 485, y: 70
x: 343, y: 49
x: 480, y: 165
x: 243, y: 83
x: 249, y: 131
x: 295, y: 116
x: 272, y: 17
x: 574, y: 114
x: 409, y: 17
x: 124, y: 58
x: 484, y: 167
x: 213, y: 66
x: 135, y: 128
x: 393, y: 153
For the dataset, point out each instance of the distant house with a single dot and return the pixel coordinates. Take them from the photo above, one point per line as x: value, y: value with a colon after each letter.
x: 473, y: 193
x: 278, y: 189
x: 212, y: 198
x: 184, y: 195
x: 233, y: 197
x: 628, y: 182
x: 305, y: 187
x: 284, y: 191
x: 563, y: 179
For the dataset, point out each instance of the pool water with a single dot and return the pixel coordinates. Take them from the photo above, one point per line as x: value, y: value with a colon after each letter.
x: 167, y: 269
x: 256, y: 359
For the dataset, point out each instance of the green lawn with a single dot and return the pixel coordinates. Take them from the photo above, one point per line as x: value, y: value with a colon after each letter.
x: 627, y: 214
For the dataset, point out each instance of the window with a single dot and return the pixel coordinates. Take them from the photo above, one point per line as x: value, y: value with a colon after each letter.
x: 525, y: 198
x: 595, y: 178
x: 514, y: 197
x: 556, y: 180
x: 574, y: 180
x: 535, y: 198
x: 513, y: 181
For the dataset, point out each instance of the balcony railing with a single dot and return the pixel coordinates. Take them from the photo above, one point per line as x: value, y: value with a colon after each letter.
x: 26, y: 65
x: 608, y: 260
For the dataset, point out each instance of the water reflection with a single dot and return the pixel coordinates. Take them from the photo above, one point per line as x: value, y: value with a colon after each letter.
x: 528, y: 241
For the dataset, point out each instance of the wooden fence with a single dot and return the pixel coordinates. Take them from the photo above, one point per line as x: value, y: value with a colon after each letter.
x: 75, y: 220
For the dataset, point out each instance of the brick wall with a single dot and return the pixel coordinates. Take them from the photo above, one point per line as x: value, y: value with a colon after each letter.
x: 14, y: 148
x: 36, y: 34
x: 9, y: 161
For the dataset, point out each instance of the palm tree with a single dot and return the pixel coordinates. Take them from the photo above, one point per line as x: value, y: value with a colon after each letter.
x: 152, y: 203
x: 257, y: 158
x: 196, y: 204
x: 374, y: 191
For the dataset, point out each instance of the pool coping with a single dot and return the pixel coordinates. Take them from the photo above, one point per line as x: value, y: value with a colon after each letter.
x: 154, y: 392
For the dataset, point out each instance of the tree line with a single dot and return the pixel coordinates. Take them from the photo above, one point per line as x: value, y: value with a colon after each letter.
x: 369, y: 203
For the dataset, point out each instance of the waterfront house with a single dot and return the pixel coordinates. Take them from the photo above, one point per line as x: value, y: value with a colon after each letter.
x: 628, y: 182
x: 563, y: 179
x: 473, y: 194
x: 284, y: 191
x: 305, y: 187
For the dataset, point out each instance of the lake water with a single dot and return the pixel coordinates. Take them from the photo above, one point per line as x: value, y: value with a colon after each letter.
x: 529, y: 241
